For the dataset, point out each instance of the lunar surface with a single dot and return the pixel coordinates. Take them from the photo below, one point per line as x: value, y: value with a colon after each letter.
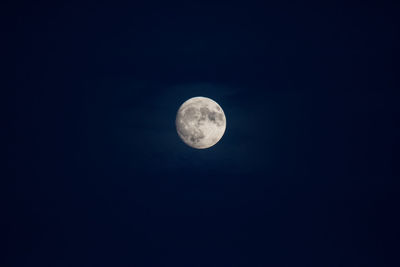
x: 200, y: 122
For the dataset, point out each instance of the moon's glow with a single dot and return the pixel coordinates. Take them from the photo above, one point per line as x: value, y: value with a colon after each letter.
x: 200, y: 122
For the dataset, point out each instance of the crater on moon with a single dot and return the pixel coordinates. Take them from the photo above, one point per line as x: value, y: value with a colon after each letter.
x: 200, y: 122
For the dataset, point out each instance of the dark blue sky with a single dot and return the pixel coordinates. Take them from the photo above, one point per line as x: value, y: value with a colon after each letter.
x: 305, y: 174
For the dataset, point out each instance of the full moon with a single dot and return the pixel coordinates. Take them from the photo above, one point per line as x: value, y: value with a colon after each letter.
x: 200, y: 122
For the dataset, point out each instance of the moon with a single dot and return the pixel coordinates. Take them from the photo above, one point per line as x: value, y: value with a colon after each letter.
x: 200, y: 122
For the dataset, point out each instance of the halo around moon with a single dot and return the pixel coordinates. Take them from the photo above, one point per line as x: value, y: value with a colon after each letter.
x: 200, y: 122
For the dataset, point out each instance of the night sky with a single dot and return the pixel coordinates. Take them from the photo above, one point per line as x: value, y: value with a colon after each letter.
x: 305, y: 175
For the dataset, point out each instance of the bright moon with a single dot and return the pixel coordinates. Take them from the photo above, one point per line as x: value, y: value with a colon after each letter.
x: 200, y: 122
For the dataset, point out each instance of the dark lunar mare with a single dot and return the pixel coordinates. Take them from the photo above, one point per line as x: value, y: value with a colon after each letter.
x: 193, y: 134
